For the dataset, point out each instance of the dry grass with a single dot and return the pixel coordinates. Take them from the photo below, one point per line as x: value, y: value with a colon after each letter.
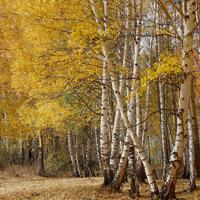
x: 74, y: 189
x: 15, y: 171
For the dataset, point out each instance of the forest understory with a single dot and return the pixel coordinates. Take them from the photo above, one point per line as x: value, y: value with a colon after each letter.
x: 37, y: 188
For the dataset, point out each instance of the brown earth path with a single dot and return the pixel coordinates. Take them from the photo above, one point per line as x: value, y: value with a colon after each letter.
x: 73, y: 189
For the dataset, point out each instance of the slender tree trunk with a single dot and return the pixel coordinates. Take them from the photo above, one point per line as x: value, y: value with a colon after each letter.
x: 6, y: 141
x: 110, y: 112
x: 29, y: 153
x: 174, y: 107
x: 83, y: 155
x: 71, y: 153
x: 88, y: 161
x: 195, y: 131
x: 134, y: 190
x: 98, y: 150
x: 114, y: 159
x: 136, y: 85
x: 186, y: 167
x: 120, y: 173
x: 55, y: 142
x: 40, y: 161
x: 122, y: 137
x: 191, y: 152
x: 145, y: 127
x: 104, y: 139
x: 77, y: 155
x: 140, y: 168
x: 21, y: 151
x: 104, y: 132
x: 163, y: 127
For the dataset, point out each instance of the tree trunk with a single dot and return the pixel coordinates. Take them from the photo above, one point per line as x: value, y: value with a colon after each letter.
x: 145, y: 127
x: 71, y: 153
x: 191, y: 152
x: 174, y: 107
x: 195, y: 131
x: 134, y: 190
x: 120, y: 173
x: 77, y: 155
x: 104, y: 132
x: 21, y: 155
x: 98, y: 150
x: 186, y: 167
x: 114, y: 159
x: 55, y: 143
x: 88, y: 162
x: 163, y: 127
x: 40, y: 161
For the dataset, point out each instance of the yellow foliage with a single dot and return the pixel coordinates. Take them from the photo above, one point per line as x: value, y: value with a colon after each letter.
x: 168, y: 65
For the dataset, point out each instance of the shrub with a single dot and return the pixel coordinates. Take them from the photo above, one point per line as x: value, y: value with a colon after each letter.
x: 56, y: 164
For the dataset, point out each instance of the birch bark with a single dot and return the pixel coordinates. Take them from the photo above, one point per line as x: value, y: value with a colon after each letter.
x: 114, y: 159
x: 163, y: 127
x: 191, y: 152
x: 73, y: 162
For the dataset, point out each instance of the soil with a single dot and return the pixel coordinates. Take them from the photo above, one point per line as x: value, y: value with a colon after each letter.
x: 76, y: 189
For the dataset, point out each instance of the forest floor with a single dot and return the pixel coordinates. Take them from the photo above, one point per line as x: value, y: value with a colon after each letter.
x: 74, y: 189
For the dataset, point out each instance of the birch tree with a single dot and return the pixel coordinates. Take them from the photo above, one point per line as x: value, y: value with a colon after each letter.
x: 191, y: 152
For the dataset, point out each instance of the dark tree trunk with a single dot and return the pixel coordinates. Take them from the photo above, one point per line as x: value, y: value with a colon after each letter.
x: 21, y: 152
x: 88, y: 161
x: 195, y: 132
x: 134, y: 190
x: 55, y: 142
x: 40, y: 161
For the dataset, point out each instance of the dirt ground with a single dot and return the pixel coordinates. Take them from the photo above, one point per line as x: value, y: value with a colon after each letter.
x: 73, y: 189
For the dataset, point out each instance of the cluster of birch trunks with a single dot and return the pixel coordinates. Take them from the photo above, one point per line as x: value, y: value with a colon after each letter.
x: 117, y: 86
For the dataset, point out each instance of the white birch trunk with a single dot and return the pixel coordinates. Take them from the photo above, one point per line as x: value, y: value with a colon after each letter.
x: 163, y: 128
x: 114, y: 159
x: 136, y: 86
x: 104, y: 131
x: 77, y: 155
x: 71, y: 153
x: 145, y: 127
x: 191, y: 152
x: 110, y: 113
